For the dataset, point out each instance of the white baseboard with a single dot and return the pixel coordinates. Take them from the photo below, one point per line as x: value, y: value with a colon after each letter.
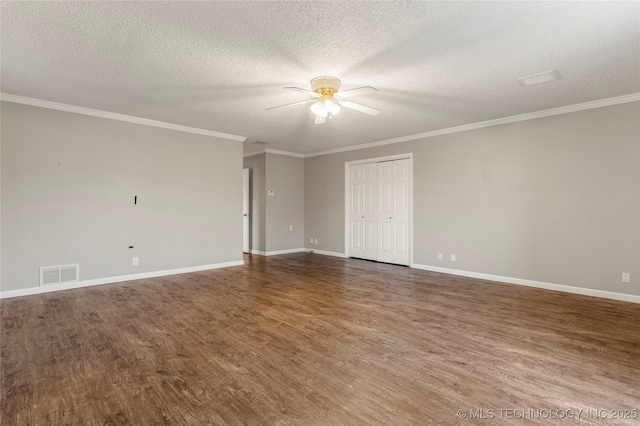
x: 530, y: 283
x: 326, y: 253
x: 110, y: 280
x: 298, y: 250
x: 277, y: 252
x: 510, y: 280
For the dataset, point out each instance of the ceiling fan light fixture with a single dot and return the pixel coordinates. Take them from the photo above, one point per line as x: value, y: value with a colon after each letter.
x: 325, y: 107
x: 319, y: 109
x: 332, y: 106
x: 327, y: 100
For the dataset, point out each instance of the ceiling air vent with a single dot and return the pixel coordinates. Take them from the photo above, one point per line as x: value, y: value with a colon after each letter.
x: 543, y: 77
x: 59, y: 274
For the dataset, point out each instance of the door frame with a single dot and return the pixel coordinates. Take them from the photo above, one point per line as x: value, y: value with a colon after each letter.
x: 347, y: 164
x: 246, y: 210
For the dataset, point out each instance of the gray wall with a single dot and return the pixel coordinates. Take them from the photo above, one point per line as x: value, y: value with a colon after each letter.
x: 68, y: 185
x: 285, y: 176
x: 271, y: 216
x: 554, y: 199
x: 257, y: 194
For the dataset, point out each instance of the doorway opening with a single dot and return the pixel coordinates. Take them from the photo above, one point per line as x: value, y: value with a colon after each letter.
x: 246, y: 218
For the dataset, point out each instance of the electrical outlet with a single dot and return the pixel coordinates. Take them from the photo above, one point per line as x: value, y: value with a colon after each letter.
x: 626, y: 277
x: 136, y: 261
x: 315, y: 241
x: 439, y: 256
x: 290, y: 227
x: 271, y: 193
x: 453, y: 257
x: 310, y: 240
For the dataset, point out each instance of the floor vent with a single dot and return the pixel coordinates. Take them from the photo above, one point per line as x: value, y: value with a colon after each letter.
x: 59, y: 274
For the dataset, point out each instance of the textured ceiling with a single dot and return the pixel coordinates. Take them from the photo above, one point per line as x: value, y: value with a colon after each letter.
x: 218, y: 65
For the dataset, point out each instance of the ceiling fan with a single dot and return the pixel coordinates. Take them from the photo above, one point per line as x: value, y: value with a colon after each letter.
x: 327, y: 99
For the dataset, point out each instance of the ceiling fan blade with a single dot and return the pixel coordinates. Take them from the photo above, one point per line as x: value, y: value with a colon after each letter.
x: 359, y: 107
x: 356, y: 92
x: 295, y: 103
x: 300, y: 89
x: 320, y: 120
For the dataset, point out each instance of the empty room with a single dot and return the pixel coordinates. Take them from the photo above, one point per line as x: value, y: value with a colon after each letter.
x: 319, y: 213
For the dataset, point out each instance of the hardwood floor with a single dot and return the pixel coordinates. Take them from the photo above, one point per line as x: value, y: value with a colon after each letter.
x: 304, y: 339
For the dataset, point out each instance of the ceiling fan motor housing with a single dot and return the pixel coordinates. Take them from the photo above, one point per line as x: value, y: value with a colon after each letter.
x: 325, y: 85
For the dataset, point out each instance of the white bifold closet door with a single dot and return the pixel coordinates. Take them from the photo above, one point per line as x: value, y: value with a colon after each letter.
x: 362, y: 211
x: 393, y: 212
x: 379, y: 211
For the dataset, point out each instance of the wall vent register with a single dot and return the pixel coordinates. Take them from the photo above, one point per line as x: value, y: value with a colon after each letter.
x: 59, y: 274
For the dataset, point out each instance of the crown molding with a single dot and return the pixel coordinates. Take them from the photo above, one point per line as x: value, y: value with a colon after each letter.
x: 153, y: 123
x: 252, y: 153
x: 289, y: 153
x: 513, y: 119
x: 272, y: 151
x: 113, y: 116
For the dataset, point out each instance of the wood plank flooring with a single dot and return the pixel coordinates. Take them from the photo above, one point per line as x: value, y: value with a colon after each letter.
x: 304, y: 339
